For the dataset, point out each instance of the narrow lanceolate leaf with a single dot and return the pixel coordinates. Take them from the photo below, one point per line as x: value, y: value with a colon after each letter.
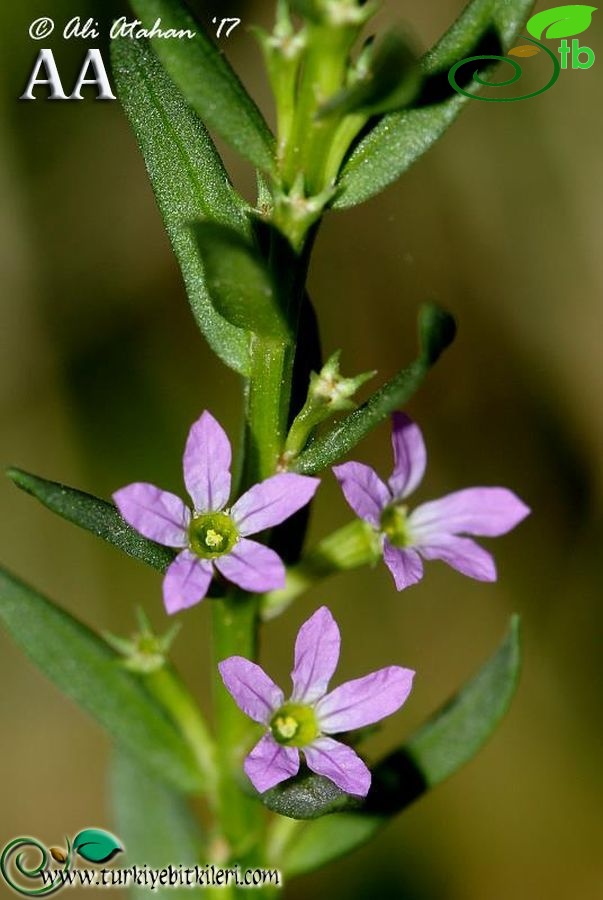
x: 188, y: 178
x: 94, y: 515
x: 400, y: 138
x: 239, y: 284
x: 440, y: 748
x: 154, y: 822
x: 207, y: 81
x: 87, y: 670
x: 436, y: 332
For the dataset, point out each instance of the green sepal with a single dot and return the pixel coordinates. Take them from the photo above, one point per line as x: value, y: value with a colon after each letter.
x: 87, y: 670
x: 188, y: 179
x: 449, y: 740
x: 92, y: 514
x: 400, y: 138
x: 391, y: 81
x: 153, y: 821
x: 240, y: 286
x: 436, y: 331
x: 208, y: 82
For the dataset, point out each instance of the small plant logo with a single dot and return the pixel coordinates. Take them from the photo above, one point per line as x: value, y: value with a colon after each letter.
x: 558, y: 22
x: 92, y: 845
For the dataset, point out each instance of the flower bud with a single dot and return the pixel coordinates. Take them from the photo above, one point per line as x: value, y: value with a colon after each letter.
x: 145, y: 652
x: 329, y: 393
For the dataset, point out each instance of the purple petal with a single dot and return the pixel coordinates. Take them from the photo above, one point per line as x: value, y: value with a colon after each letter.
x: 365, y: 700
x: 316, y: 656
x: 487, y: 512
x: 270, y: 763
x: 339, y: 763
x: 253, y: 567
x: 462, y: 554
x: 154, y: 513
x: 364, y: 490
x: 272, y: 501
x: 410, y: 456
x: 404, y: 563
x: 252, y: 690
x: 207, y: 458
x: 186, y: 582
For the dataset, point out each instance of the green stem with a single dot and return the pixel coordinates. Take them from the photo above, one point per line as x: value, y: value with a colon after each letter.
x: 171, y: 692
x: 236, y: 617
x: 268, y: 397
x: 323, y: 74
x: 356, y: 544
x: 280, y: 834
x: 240, y: 814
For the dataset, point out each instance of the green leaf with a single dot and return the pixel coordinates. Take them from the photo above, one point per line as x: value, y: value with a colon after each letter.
x: 87, y: 670
x: 307, y: 796
x: 207, y: 81
x: 561, y: 21
x: 400, y: 138
x: 391, y: 82
x: 239, y: 284
x: 94, y: 515
x: 96, y: 846
x: 188, y: 178
x: 449, y: 740
x: 154, y: 823
x: 436, y: 331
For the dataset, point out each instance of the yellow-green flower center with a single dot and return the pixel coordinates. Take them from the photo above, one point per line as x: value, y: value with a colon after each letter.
x: 212, y: 534
x: 294, y: 725
x: 394, y: 525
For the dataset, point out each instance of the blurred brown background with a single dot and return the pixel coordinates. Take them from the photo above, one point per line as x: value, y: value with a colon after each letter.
x: 102, y: 372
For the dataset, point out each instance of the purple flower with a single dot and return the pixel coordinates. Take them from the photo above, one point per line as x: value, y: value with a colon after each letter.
x: 306, y: 721
x: 433, y: 530
x: 212, y: 536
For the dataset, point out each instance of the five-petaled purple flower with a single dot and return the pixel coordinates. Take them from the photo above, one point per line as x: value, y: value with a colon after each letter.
x: 433, y: 530
x: 306, y: 721
x: 211, y: 535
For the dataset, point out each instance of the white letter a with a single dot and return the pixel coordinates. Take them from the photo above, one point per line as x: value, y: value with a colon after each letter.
x: 45, y: 60
x: 101, y: 79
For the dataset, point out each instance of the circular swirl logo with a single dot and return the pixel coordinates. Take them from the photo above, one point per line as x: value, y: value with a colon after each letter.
x: 17, y: 872
x: 525, y: 50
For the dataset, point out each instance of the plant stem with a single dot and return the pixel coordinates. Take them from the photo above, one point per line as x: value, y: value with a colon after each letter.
x: 281, y: 832
x: 356, y: 544
x: 171, y: 692
x: 268, y: 397
x: 236, y: 617
x: 323, y: 74
x: 241, y: 816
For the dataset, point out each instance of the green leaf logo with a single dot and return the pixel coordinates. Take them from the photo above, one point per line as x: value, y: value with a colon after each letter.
x: 561, y: 21
x: 96, y: 846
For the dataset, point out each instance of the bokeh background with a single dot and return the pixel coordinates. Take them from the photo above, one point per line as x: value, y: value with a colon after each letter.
x: 102, y: 372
